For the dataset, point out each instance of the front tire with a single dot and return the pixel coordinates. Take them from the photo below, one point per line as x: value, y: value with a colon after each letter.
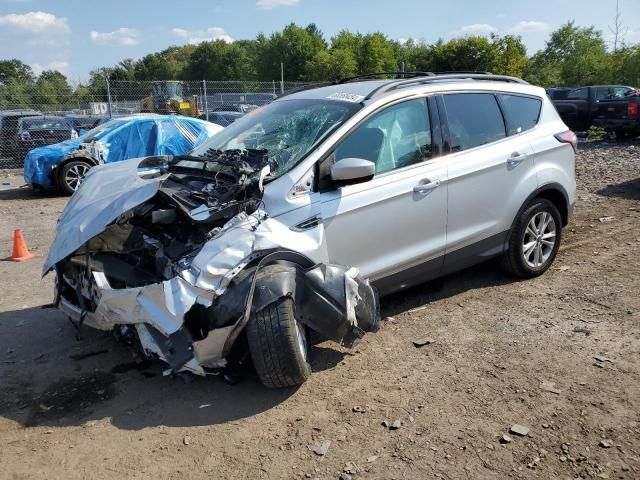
x: 71, y: 175
x: 534, y: 240
x: 278, y: 345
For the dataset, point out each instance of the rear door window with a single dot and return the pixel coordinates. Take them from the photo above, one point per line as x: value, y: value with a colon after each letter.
x: 521, y: 113
x: 474, y: 119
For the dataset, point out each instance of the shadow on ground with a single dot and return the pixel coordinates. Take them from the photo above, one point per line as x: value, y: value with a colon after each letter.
x: 50, y: 378
x: 629, y: 190
x: 484, y: 275
x: 24, y: 192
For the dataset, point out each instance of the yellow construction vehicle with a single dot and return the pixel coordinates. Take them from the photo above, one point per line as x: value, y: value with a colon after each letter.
x: 166, y: 98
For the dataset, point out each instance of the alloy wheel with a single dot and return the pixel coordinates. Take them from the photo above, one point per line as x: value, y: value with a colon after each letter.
x: 539, y: 239
x: 75, y: 174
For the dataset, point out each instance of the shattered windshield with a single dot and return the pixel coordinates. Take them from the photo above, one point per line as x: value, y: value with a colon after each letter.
x: 285, y: 131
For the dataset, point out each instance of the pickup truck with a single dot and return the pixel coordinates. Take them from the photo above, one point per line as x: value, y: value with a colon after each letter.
x: 612, y: 107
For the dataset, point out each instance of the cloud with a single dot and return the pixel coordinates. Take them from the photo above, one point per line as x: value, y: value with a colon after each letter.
x: 180, y: 32
x: 123, y: 37
x: 476, y: 29
x: 525, y: 26
x: 199, y: 36
x: 60, y: 65
x: 269, y: 4
x: 35, y: 22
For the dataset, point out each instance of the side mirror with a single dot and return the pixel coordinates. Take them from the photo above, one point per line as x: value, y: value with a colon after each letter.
x: 349, y: 171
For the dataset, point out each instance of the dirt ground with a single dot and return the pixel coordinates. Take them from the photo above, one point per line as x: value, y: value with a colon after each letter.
x: 559, y: 354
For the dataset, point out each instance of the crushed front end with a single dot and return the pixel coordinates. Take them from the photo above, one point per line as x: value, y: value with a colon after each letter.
x: 178, y: 253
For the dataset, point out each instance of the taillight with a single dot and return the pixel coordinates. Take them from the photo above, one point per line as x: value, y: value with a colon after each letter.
x: 632, y: 109
x: 25, y: 136
x: 568, y: 137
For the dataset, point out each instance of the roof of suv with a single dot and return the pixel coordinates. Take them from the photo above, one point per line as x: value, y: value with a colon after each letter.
x: 362, y: 91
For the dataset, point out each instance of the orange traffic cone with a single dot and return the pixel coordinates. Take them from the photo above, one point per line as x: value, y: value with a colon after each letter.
x: 20, y: 250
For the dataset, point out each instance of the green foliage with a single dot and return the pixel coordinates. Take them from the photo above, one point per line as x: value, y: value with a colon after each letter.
x: 170, y: 64
x: 596, y: 133
x: 573, y: 56
x: 219, y: 60
x: 294, y: 47
x: 624, y: 66
x: 331, y: 65
x: 15, y: 70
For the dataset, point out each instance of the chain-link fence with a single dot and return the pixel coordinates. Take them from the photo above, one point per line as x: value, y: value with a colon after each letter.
x: 59, y: 117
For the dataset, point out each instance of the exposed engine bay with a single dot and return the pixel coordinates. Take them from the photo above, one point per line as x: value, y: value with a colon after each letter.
x: 180, y: 257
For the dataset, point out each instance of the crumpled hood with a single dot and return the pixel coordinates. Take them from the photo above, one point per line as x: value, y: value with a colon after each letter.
x: 41, y: 160
x: 106, y: 192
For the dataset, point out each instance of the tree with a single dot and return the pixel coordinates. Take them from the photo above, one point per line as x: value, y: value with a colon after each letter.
x: 472, y: 53
x: 294, y: 47
x: 331, y: 65
x: 377, y: 54
x: 169, y: 64
x: 510, y: 55
x: 572, y: 56
x: 414, y: 55
x: 219, y: 60
x: 52, y: 88
x: 624, y: 66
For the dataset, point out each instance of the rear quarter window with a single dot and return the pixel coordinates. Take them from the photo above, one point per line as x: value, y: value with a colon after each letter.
x: 522, y: 113
x: 474, y: 119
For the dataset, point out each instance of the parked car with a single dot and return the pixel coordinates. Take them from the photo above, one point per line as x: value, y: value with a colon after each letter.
x: 286, y: 222
x: 558, y: 93
x: 8, y: 129
x: 39, y: 131
x: 84, y: 123
x: 65, y: 164
x: 612, y: 107
x: 231, y: 107
x: 224, y: 119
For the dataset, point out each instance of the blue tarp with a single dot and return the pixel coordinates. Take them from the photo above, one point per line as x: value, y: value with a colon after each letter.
x: 121, y: 139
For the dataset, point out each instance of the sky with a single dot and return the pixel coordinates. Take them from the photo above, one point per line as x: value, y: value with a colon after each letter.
x: 76, y: 36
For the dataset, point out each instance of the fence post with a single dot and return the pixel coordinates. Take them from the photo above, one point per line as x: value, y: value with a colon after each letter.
x: 206, y: 103
x: 109, y: 98
x: 281, y: 77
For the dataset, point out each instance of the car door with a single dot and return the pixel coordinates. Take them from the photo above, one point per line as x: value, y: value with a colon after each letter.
x: 392, y: 227
x: 490, y: 175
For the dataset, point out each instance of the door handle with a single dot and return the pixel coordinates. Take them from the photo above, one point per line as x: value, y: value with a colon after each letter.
x: 426, y: 187
x: 515, y: 158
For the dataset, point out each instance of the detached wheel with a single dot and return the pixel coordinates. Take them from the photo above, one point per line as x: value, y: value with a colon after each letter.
x: 534, y: 240
x: 71, y: 175
x: 278, y: 345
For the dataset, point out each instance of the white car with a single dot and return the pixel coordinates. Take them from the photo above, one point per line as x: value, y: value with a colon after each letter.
x: 292, y: 218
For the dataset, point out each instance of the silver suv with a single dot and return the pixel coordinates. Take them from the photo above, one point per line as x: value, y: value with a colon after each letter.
x: 283, y: 228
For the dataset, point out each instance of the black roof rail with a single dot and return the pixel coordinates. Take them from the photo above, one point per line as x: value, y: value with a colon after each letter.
x: 467, y: 72
x: 436, y: 78
x: 379, y: 74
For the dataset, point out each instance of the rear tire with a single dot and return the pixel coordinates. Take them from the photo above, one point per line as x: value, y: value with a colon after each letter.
x: 71, y: 175
x: 534, y: 240
x: 278, y: 345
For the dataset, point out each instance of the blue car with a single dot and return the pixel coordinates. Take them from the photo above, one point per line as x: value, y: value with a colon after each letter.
x: 64, y: 164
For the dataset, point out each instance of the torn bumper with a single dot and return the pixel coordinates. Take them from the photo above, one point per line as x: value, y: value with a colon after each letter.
x: 190, y: 329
